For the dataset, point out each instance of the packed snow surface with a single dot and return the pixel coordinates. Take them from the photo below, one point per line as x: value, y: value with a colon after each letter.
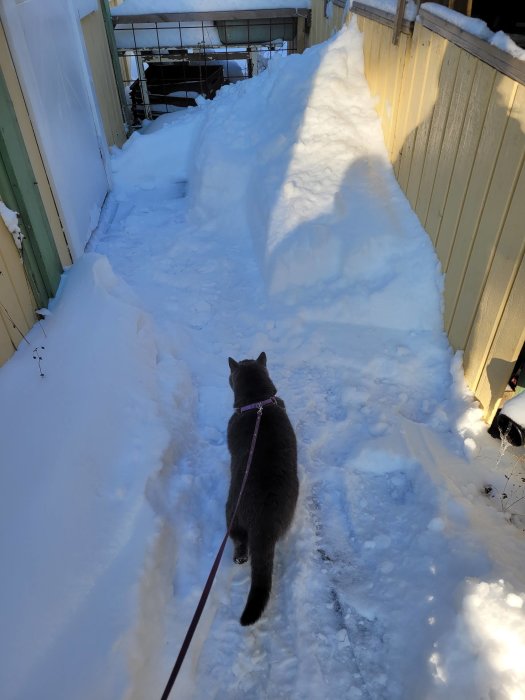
x: 268, y: 219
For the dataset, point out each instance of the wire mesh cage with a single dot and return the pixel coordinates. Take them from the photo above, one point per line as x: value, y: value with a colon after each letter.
x: 170, y: 61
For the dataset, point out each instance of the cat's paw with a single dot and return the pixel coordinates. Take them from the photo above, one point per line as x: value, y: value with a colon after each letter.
x: 240, y: 559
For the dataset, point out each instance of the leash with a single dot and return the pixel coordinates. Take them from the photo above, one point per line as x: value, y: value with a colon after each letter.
x: 207, y: 587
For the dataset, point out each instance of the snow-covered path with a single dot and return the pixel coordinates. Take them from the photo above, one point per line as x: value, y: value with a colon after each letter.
x: 268, y: 219
x: 294, y: 239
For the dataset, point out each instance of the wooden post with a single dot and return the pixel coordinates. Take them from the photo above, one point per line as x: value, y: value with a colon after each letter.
x: 143, y: 86
x: 106, y: 14
x: 400, y: 14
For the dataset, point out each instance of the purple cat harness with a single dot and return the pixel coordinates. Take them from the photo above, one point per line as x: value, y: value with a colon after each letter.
x: 259, y: 405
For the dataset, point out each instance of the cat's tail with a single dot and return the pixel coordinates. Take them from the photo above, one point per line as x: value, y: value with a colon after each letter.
x: 261, y: 555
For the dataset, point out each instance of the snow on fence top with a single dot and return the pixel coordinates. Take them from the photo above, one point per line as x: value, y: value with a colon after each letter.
x: 142, y: 7
x: 472, y: 25
x: 476, y: 27
x: 390, y: 6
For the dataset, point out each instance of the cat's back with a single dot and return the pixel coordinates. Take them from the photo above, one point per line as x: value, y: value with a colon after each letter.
x: 275, y: 428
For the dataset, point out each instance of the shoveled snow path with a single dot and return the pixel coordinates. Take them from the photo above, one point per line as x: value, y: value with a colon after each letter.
x: 366, y: 583
x: 348, y: 612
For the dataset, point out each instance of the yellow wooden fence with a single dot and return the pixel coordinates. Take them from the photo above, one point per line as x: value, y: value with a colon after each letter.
x: 455, y: 131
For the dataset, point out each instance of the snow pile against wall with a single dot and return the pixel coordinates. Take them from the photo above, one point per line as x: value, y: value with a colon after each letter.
x: 297, y: 172
x: 78, y: 446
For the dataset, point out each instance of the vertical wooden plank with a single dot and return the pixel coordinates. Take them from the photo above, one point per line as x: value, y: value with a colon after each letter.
x: 381, y: 69
x: 476, y: 111
x: 17, y: 294
x: 507, y: 344
x: 389, y: 69
x: 388, y: 66
x: 405, y: 121
x: 398, y: 21
x: 400, y: 52
x: 17, y: 303
x: 6, y: 344
x: 373, y: 57
x: 421, y: 41
x: 367, y: 46
x: 103, y: 78
x: 498, y: 284
x: 495, y: 210
x: 494, y: 126
x: 453, y: 126
x: 429, y: 97
x: 446, y: 84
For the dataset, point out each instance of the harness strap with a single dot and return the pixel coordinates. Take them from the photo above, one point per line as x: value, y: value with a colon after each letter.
x: 259, y: 404
x: 207, y: 587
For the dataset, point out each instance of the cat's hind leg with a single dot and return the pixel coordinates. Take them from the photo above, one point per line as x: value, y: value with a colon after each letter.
x: 240, y: 541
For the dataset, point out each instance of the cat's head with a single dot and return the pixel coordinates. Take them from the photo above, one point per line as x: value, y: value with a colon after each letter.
x: 250, y: 378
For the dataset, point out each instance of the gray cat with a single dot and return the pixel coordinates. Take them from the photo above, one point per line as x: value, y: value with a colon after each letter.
x: 268, y: 502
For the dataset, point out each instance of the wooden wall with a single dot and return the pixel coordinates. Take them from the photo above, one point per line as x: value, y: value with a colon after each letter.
x: 33, y: 150
x: 455, y: 131
x: 16, y: 300
x: 104, y: 78
x: 323, y: 27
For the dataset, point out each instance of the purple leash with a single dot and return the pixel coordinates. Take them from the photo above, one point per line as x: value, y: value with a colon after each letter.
x: 207, y: 588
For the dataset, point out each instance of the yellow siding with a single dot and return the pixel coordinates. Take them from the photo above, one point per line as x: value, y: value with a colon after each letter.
x: 498, y: 283
x: 323, y: 28
x: 436, y: 135
x: 455, y: 131
x: 449, y: 148
x: 469, y: 141
x: 493, y: 130
x: 104, y: 78
x: 506, y: 346
x: 436, y: 50
x: 384, y: 66
x: 16, y: 299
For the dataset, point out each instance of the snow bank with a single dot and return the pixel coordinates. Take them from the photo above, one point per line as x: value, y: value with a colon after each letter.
x: 176, y: 136
x: 78, y: 446
x: 305, y: 186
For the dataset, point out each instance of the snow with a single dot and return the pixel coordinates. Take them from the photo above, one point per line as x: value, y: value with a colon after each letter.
x: 515, y: 409
x: 390, y: 6
x: 137, y: 7
x: 10, y: 219
x: 266, y: 219
x: 476, y: 27
x: 172, y: 34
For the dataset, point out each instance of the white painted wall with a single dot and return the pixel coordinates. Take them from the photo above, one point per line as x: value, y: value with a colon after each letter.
x: 46, y: 43
x: 85, y: 7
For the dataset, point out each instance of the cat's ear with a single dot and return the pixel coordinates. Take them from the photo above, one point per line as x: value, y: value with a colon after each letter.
x: 262, y: 359
x: 232, y: 363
